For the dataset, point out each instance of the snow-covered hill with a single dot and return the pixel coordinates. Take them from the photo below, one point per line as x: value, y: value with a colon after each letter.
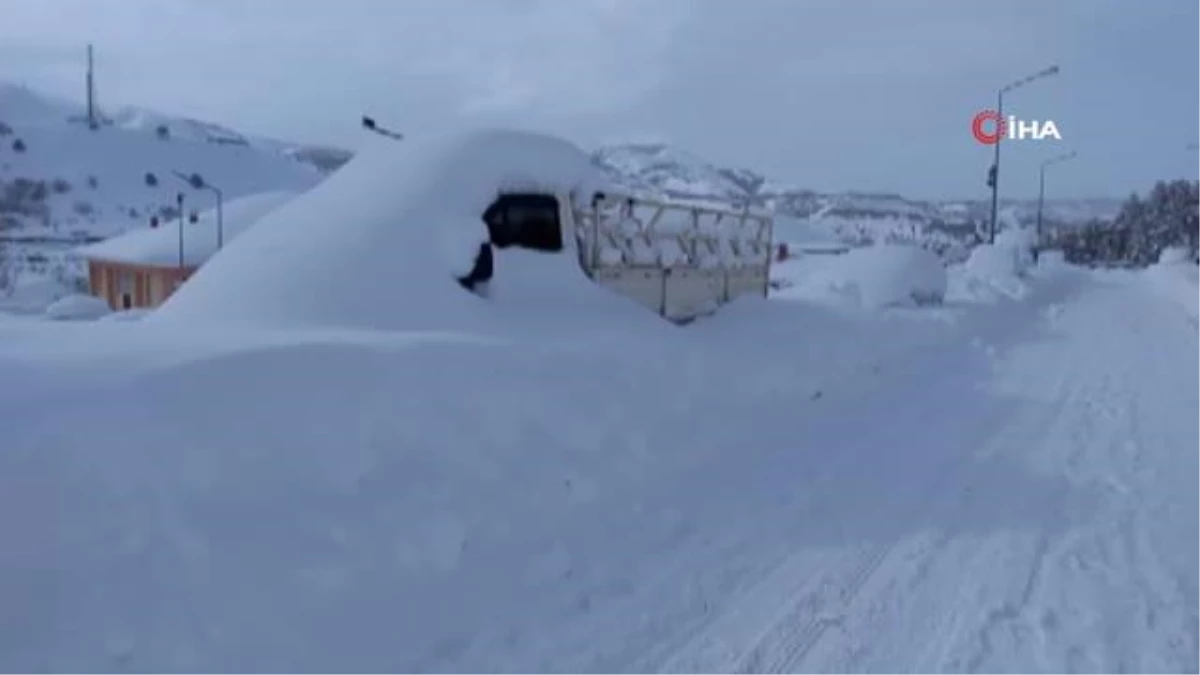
x: 61, y: 180
x: 63, y: 183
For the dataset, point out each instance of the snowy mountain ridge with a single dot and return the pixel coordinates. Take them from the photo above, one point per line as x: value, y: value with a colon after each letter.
x: 661, y: 168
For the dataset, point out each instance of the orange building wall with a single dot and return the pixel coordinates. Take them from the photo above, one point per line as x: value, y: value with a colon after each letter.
x: 150, y: 285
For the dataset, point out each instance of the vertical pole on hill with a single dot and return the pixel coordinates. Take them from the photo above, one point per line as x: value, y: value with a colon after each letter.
x: 179, y: 205
x: 996, y: 167
x: 220, y: 218
x: 91, y: 92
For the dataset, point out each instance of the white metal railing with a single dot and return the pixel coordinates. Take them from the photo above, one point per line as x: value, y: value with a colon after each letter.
x: 617, y: 230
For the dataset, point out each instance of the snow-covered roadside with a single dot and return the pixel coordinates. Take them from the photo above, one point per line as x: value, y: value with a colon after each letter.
x: 1178, y: 279
x: 396, y: 495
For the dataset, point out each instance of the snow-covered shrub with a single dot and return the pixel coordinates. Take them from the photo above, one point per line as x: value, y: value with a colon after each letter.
x: 884, y: 275
x: 77, y: 307
x: 19, y: 145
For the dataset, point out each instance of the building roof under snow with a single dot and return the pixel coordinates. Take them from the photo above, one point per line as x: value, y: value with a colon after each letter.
x: 159, y: 246
x: 380, y: 243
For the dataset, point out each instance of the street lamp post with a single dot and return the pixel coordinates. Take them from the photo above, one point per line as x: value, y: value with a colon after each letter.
x: 179, y: 205
x: 995, y: 172
x: 198, y: 183
x: 1042, y: 197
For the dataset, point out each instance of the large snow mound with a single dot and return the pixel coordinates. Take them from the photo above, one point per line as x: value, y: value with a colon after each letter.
x: 379, y: 244
x: 885, y: 275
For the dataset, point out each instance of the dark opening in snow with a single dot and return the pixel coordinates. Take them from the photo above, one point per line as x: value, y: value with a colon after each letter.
x: 523, y: 220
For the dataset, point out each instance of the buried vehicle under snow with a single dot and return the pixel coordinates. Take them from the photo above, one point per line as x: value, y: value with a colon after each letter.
x: 526, y: 221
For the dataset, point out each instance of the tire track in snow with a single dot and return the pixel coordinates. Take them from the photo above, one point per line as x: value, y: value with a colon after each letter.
x: 1105, y: 603
x: 794, y: 617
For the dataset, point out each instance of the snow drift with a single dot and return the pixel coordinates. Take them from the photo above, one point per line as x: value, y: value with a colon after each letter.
x: 875, y: 277
x: 77, y: 307
x: 379, y: 244
x: 1174, y: 255
x: 997, y: 270
x: 377, y: 504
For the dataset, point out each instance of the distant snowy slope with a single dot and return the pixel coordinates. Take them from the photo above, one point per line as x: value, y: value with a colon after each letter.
x: 70, y: 179
x: 59, y: 179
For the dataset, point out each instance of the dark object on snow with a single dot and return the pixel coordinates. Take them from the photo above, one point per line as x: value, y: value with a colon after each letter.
x: 370, y: 125
x: 151, y: 179
x: 482, y: 270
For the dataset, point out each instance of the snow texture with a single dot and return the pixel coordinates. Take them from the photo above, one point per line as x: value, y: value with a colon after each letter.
x: 77, y: 307
x: 997, y: 270
x: 1174, y: 255
x: 380, y: 244
x: 779, y: 488
x: 160, y: 245
x: 873, y: 277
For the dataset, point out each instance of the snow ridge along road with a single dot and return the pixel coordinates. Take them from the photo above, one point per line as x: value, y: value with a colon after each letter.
x: 1061, y: 536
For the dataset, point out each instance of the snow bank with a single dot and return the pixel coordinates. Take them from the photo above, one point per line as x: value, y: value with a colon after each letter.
x: 128, y: 315
x: 995, y: 270
x: 884, y: 275
x: 77, y: 307
x: 356, y: 506
x: 1173, y: 255
x: 1177, y: 278
x: 380, y: 243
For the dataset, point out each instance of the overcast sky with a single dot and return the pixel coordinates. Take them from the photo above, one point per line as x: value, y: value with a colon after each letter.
x: 827, y: 94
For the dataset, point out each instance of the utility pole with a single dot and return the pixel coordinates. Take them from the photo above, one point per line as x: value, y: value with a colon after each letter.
x: 179, y: 205
x: 91, y: 92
